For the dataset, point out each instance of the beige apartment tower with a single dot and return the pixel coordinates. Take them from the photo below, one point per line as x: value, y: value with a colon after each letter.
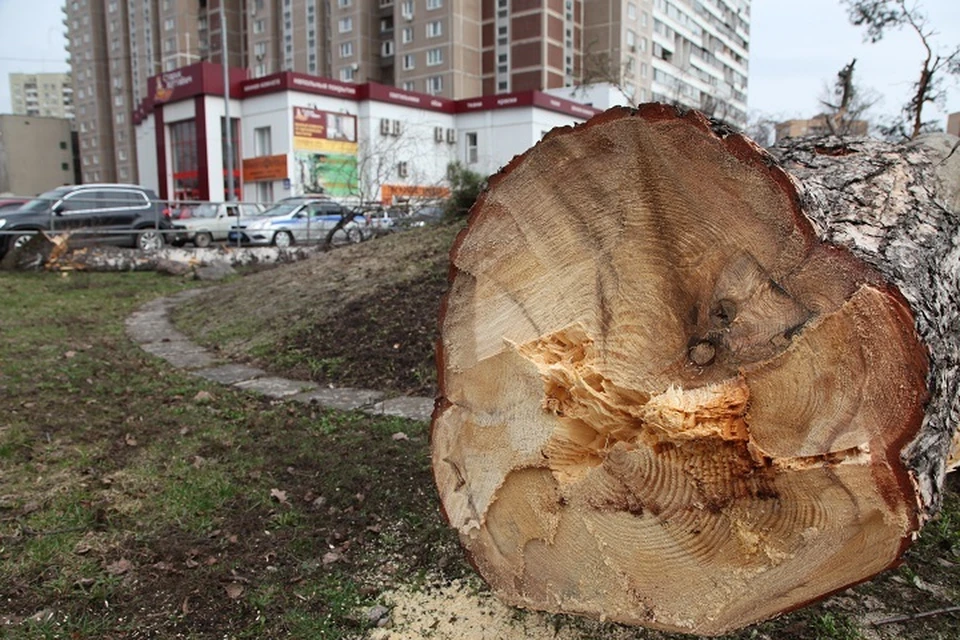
x: 42, y: 94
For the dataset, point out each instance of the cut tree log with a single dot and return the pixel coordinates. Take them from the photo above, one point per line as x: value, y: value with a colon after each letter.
x: 682, y: 389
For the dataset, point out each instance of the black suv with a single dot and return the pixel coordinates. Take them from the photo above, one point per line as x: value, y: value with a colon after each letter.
x: 94, y: 212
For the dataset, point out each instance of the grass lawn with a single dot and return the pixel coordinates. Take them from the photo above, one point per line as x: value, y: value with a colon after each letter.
x: 137, y: 501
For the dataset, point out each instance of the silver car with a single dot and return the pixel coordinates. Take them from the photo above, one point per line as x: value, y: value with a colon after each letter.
x: 296, y: 220
x: 209, y: 221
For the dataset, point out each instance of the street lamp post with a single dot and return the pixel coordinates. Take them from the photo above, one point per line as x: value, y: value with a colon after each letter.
x: 228, y: 134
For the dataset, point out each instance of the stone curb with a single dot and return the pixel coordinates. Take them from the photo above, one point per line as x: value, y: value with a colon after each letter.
x: 150, y: 327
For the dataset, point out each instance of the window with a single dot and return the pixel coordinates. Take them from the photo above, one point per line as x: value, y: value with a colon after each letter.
x: 435, y: 84
x: 406, y: 35
x: 434, y: 29
x: 121, y: 118
x: 386, y: 48
x: 63, y: 145
x: 406, y: 8
x: 347, y: 74
x: 409, y: 62
x: 434, y: 57
x: 260, y: 70
x: 386, y: 24
x: 260, y: 49
x: 632, y: 10
x: 343, y: 3
x: 118, y: 101
x: 346, y: 49
x: 259, y: 26
x: 631, y: 40
x: 265, y: 192
x: 409, y: 85
x: 434, y: 4
x: 262, y: 142
x: 345, y: 25
x: 168, y: 24
x: 472, y: 151
x: 403, y: 170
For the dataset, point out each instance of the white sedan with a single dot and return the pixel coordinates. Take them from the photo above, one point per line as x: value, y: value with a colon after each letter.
x: 296, y: 220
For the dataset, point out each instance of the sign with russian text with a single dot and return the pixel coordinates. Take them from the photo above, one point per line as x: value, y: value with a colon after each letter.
x: 325, y: 151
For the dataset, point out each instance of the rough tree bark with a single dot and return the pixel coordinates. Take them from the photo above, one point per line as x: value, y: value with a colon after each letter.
x: 680, y: 388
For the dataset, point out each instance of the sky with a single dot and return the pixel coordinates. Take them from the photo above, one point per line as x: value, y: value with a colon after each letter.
x: 796, y: 49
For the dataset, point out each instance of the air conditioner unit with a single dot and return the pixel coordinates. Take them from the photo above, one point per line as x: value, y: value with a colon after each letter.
x: 451, y: 136
x: 438, y: 134
x: 396, y: 127
x: 384, y: 127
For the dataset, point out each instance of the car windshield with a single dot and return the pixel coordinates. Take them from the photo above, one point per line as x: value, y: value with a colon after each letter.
x: 44, y: 200
x: 282, y: 209
x: 204, y: 211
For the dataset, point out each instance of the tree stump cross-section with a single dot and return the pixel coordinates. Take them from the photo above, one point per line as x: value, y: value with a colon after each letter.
x: 666, y: 399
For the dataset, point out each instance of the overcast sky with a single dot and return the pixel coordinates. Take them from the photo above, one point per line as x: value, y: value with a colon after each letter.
x: 796, y: 48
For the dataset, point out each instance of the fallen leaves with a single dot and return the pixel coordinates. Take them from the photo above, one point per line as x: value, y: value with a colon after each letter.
x: 119, y: 567
x: 280, y: 496
x: 234, y: 590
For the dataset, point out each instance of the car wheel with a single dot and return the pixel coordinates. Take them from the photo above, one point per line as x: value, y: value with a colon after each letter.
x: 150, y: 240
x: 282, y: 239
x: 354, y: 235
x: 202, y: 240
x: 18, y: 241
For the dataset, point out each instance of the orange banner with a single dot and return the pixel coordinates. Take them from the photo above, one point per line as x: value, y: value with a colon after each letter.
x: 390, y: 191
x: 265, y: 168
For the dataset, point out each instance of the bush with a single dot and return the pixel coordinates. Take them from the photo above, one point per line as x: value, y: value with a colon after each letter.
x: 465, y: 186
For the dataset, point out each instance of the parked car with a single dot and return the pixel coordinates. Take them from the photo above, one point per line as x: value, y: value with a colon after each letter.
x: 210, y: 221
x: 296, y: 220
x: 422, y: 217
x: 121, y: 214
x: 12, y: 204
x: 375, y: 221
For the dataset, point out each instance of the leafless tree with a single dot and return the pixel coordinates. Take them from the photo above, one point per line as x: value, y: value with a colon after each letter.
x: 846, y: 103
x: 880, y: 15
x: 604, y: 67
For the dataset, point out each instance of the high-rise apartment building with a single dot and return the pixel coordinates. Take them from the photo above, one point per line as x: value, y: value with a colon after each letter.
x: 690, y: 52
x: 42, y: 94
x: 532, y: 44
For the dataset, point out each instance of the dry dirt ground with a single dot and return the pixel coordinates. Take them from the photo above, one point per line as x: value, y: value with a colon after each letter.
x: 365, y: 316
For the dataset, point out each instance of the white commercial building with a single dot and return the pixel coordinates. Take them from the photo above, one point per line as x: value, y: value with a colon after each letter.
x: 295, y: 134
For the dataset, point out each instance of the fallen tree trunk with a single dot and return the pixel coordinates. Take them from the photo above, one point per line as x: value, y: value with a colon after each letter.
x: 680, y: 388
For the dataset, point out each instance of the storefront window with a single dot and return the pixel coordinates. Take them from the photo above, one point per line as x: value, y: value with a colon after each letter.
x: 183, y: 142
x: 235, y: 143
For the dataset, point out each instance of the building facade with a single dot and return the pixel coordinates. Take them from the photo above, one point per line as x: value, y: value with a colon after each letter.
x: 297, y: 134
x: 36, y: 154
x: 42, y: 94
x: 690, y: 52
x: 819, y: 125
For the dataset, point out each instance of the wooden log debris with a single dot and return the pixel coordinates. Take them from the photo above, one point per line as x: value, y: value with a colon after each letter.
x: 684, y: 389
